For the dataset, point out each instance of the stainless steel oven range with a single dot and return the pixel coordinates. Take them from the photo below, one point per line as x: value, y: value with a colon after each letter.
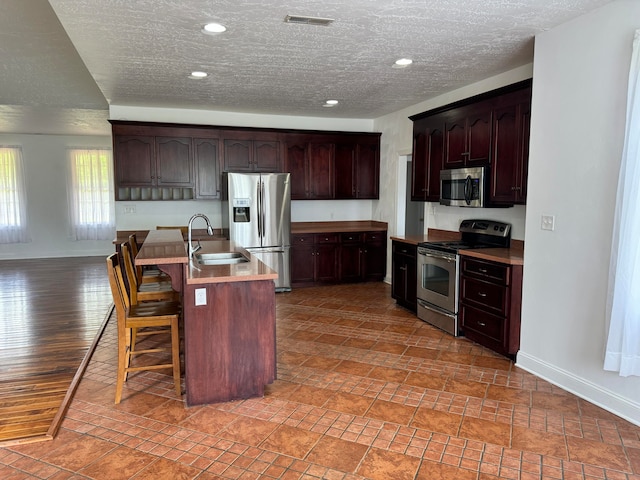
x: 439, y: 265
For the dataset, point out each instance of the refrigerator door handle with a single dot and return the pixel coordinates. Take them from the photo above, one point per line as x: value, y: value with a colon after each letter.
x: 259, y: 201
x: 263, y: 212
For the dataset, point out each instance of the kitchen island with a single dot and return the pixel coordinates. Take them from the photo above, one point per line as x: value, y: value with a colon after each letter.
x: 228, y: 314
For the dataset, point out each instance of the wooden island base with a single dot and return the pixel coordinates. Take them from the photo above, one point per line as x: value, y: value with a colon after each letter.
x: 230, y: 343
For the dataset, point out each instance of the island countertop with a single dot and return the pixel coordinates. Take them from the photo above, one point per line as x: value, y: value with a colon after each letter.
x: 252, y: 270
x: 166, y: 247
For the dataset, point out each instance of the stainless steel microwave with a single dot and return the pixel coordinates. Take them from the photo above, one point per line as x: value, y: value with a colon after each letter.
x: 464, y: 187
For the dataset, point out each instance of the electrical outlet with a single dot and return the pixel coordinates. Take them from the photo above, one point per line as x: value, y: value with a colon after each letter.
x: 129, y: 209
x: 201, y: 296
x: 548, y: 222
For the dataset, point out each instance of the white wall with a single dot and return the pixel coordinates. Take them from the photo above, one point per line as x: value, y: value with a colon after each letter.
x: 578, y: 119
x: 45, y: 161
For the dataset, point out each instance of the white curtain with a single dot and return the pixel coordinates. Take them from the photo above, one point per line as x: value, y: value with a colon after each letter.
x: 13, y: 199
x: 623, y: 344
x: 91, y: 196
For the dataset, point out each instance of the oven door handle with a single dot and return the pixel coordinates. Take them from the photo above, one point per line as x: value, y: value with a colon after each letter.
x: 442, y: 257
x: 433, y: 308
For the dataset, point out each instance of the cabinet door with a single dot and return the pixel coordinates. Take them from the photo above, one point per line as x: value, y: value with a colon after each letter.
x: 435, y: 157
x: 509, y: 159
x: 207, y: 164
x: 326, y: 258
x: 351, y: 259
x: 375, y: 256
x: 296, y: 165
x: 367, y: 171
x: 266, y: 156
x: 505, y: 157
x: 135, y: 161
x: 456, y: 141
x: 523, y: 173
x: 173, y: 161
x: 321, y: 161
x: 345, y: 170
x: 302, y: 259
x: 403, y: 275
x: 237, y: 155
x: 419, y: 164
x: 479, y: 136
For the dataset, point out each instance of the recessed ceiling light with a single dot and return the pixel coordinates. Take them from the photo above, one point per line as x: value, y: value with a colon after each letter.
x: 403, y: 62
x: 198, y: 75
x: 330, y: 103
x: 213, y: 28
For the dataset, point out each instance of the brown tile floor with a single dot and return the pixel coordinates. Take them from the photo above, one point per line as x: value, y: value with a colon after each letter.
x: 364, y: 390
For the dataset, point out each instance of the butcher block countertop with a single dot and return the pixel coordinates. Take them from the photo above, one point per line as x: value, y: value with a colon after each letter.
x: 509, y: 256
x: 164, y: 247
x: 338, y: 227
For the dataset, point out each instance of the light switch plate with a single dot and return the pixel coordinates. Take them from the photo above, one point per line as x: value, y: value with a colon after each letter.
x: 548, y: 222
x: 201, y: 296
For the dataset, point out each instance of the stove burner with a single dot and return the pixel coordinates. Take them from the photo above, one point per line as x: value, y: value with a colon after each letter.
x: 475, y: 234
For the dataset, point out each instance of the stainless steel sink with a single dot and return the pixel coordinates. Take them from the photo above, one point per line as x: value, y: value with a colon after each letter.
x: 227, y: 258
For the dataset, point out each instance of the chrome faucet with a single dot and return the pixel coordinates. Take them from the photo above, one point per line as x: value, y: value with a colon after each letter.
x: 193, y: 249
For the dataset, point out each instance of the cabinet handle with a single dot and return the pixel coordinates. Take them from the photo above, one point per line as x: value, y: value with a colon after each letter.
x: 403, y: 268
x: 465, y: 153
x: 482, y: 324
x: 482, y: 294
x: 482, y: 270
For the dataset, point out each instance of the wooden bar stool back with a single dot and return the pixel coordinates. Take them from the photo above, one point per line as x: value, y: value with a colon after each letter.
x: 154, y: 317
x: 151, y: 274
x: 143, y: 292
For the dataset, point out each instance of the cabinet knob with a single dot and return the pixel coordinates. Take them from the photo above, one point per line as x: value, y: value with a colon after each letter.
x: 482, y: 294
x: 482, y: 270
x: 482, y: 324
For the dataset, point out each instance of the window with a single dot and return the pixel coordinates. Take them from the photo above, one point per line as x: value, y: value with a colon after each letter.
x: 13, y: 211
x: 91, y: 194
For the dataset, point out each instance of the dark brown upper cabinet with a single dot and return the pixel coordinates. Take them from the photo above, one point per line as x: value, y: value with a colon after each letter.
x: 427, y: 159
x: 311, y: 166
x: 147, y: 161
x: 357, y: 169
x: 491, y: 129
x: 468, y: 136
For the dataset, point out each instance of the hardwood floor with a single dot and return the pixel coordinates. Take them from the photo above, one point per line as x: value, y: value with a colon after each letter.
x: 52, y: 311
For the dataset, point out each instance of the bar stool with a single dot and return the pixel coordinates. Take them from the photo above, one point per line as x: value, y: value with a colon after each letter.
x: 153, y: 317
x: 147, y: 274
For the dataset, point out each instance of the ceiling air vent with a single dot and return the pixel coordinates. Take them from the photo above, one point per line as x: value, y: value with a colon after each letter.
x: 324, y: 22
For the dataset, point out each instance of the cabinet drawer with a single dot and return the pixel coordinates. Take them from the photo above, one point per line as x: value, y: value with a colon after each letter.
x: 484, y: 294
x: 486, y: 270
x: 375, y: 237
x: 350, y: 238
x: 326, y: 238
x: 302, y: 239
x: 483, y: 323
x: 399, y: 248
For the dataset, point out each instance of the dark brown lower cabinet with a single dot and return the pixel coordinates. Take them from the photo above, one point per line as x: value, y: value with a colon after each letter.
x: 490, y: 303
x: 314, y: 258
x: 338, y: 257
x: 404, y: 274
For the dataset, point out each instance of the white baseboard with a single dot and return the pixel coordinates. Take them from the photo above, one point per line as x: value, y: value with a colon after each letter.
x: 621, y: 406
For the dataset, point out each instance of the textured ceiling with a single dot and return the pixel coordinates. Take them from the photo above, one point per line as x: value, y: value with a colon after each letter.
x: 73, y: 57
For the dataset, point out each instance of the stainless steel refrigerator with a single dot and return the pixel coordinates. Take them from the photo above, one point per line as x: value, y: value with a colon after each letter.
x: 256, y: 212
